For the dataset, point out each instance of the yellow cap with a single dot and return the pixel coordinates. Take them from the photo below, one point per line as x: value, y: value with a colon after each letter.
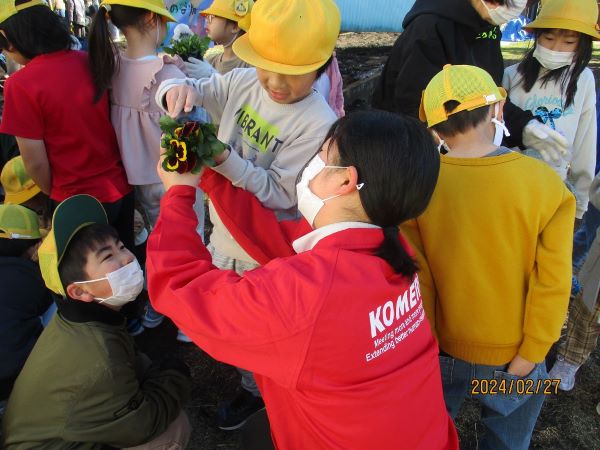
x: 18, y: 185
x: 69, y: 217
x: 470, y: 86
x: 578, y: 15
x: 156, y: 6
x: 236, y: 10
x: 290, y: 37
x: 8, y: 8
x: 18, y: 222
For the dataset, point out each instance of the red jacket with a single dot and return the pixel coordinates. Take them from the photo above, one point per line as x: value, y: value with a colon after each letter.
x: 338, y: 342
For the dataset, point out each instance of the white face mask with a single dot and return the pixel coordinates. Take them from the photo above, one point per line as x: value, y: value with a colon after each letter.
x: 309, y: 204
x: 126, y: 284
x: 551, y: 59
x: 504, y: 14
x: 501, y: 129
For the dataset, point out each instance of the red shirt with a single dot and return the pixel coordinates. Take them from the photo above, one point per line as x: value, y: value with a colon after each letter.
x: 338, y: 342
x: 51, y: 99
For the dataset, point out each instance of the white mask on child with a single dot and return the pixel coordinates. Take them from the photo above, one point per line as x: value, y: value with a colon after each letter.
x: 309, y: 204
x: 501, y: 129
x: 126, y: 284
x: 503, y: 14
x: 551, y: 59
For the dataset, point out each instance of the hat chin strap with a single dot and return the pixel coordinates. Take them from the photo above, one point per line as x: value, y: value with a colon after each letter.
x: 230, y: 43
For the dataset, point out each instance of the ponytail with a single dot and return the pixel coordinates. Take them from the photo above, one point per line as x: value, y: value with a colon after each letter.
x: 102, y: 53
x: 395, y: 254
x: 398, y: 162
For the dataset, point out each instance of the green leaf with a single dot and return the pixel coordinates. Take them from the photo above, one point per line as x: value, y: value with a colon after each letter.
x: 168, y: 124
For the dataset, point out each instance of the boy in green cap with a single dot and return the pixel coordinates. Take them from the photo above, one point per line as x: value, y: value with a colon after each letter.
x: 84, y: 384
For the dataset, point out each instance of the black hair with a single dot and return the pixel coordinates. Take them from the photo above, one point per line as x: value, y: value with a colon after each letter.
x: 461, y: 121
x: 529, y: 69
x: 321, y: 70
x: 398, y: 162
x: 16, y: 247
x: 75, y: 256
x: 102, y: 50
x: 233, y: 22
x: 35, y: 31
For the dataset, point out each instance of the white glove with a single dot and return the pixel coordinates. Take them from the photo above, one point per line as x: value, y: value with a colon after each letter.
x: 198, y: 69
x: 549, y: 143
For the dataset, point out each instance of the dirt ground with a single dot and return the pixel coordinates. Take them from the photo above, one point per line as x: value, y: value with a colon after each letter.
x: 568, y: 421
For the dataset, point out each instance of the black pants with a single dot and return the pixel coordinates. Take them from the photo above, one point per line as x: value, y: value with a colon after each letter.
x: 120, y: 216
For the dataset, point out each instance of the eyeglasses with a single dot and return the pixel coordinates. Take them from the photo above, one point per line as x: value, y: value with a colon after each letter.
x: 209, y: 18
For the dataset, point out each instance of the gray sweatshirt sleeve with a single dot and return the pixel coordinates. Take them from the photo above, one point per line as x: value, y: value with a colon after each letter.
x: 274, y: 187
x: 212, y: 93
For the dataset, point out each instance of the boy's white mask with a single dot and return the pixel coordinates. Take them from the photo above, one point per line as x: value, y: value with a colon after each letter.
x: 503, y: 14
x: 551, y: 59
x: 126, y: 284
x: 309, y: 204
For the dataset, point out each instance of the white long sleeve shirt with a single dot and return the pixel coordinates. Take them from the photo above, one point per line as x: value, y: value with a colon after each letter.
x: 577, y: 123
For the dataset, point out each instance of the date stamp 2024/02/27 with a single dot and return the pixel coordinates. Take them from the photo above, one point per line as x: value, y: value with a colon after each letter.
x: 545, y: 386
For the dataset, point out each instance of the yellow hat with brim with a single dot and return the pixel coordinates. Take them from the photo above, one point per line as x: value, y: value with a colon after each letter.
x: 290, y: 37
x: 237, y: 10
x: 18, y: 185
x: 580, y: 15
x: 156, y: 6
x: 470, y: 86
x: 8, y: 8
x: 18, y: 222
x: 70, y: 216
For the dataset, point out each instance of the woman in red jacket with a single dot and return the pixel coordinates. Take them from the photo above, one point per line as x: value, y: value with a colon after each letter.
x: 336, y: 334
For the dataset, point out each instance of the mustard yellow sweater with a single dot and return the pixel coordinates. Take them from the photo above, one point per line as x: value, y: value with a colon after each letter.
x: 494, y: 247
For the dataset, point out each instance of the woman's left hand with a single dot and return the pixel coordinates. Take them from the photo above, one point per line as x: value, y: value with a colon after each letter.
x: 177, y: 179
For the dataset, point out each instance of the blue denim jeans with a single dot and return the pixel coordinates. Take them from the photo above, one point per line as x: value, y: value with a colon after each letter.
x: 509, y: 418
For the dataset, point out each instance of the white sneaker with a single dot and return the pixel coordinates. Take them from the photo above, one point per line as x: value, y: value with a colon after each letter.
x: 564, y: 372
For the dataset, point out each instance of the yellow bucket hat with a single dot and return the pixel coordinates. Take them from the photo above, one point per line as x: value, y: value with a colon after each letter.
x: 290, y: 37
x: 8, y: 8
x: 470, y: 86
x: 18, y: 222
x: 156, y: 6
x: 580, y: 15
x: 18, y: 185
x: 236, y: 10
x: 70, y: 216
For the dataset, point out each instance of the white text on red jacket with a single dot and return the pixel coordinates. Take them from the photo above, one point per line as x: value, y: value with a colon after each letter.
x: 392, y: 322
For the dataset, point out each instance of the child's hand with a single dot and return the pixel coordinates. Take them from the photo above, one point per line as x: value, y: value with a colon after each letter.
x: 548, y: 142
x: 181, y: 98
x: 520, y: 367
x: 177, y: 179
x: 198, y: 69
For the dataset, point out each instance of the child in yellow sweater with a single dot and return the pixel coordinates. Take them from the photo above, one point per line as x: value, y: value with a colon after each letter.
x: 494, y: 250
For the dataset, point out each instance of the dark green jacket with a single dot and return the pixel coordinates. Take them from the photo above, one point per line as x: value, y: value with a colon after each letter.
x: 82, y: 387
